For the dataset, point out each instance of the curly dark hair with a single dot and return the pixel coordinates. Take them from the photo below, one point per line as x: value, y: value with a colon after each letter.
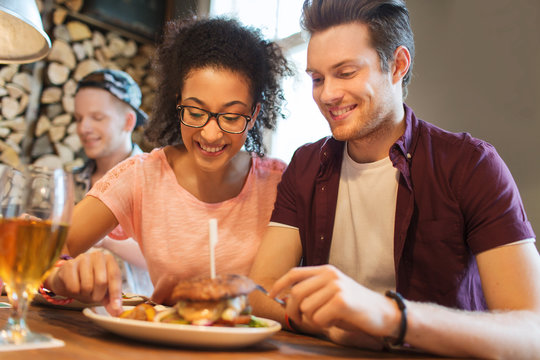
x: 221, y: 43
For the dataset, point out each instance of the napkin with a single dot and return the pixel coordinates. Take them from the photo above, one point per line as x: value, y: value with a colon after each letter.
x: 32, y: 346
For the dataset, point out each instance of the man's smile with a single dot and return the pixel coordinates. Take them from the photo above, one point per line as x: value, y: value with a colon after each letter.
x: 339, y: 113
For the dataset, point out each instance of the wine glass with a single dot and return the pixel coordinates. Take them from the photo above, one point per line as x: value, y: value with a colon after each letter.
x: 36, y: 205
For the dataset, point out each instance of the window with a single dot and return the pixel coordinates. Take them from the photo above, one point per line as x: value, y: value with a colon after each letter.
x: 304, y: 122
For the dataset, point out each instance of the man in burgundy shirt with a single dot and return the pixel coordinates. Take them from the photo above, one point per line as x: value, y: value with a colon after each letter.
x: 395, y: 203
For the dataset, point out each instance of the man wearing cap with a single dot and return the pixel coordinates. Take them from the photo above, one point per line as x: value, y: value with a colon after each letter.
x: 106, y: 112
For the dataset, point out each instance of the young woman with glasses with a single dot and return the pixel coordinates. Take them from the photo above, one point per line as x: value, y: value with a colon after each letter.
x: 219, y: 87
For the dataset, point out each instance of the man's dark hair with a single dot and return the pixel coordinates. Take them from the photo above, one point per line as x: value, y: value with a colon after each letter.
x: 219, y: 43
x: 387, y: 20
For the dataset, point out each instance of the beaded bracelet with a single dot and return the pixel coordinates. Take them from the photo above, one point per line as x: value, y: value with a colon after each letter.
x: 290, y: 324
x: 51, y: 296
x: 390, y: 342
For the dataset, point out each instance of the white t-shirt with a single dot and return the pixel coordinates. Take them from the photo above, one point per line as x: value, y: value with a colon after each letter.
x: 363, y: 238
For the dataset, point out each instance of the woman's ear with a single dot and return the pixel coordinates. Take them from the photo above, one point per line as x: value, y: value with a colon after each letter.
x: 254, y: 116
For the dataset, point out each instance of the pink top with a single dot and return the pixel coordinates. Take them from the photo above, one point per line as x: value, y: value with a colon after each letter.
x: 171, y: 225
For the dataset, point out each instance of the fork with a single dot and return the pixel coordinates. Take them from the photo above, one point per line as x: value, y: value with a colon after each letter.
x: 264, y: 291
x: 146, y: 299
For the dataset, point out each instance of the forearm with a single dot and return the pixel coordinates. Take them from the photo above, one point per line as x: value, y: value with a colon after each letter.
x: 279, y: 252
x: 492, y: 335
x: 92, y: 220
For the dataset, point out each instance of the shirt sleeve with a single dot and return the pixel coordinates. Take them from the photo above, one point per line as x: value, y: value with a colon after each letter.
x: 490, y: 201
x: 116, y: 190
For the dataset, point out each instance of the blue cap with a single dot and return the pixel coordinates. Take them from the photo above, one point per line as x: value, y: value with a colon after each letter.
x: 119, y: 84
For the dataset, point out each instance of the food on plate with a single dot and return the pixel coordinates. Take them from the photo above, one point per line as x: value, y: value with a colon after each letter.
x: 205, y: 301
x: 221, y: 301
x: 140, y: 312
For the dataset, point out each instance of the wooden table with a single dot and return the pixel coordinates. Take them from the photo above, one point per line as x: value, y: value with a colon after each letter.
x: 85, y: 340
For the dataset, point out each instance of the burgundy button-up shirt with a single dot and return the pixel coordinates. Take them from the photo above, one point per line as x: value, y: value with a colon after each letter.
x: 456, y: 198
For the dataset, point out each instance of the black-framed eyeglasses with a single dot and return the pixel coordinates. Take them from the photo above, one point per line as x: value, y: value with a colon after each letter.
x: 195, y: 117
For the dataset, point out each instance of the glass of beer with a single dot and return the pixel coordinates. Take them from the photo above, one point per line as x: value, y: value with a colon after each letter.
x: 36, y: 205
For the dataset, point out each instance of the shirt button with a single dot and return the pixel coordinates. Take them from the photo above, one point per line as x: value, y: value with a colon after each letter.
x: 323, y: 188
x: 322, y: 237
x: 409, y: 155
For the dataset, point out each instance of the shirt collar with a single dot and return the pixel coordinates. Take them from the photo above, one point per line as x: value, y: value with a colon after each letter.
x: 89, y: 166
x: 136, y: 150
x: 406, y: 143
x: 333, y: 149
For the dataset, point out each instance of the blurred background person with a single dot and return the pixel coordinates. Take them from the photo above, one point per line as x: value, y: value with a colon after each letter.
x: 107, y: 112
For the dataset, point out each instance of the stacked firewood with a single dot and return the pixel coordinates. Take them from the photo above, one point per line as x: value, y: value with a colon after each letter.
x: 15, y: 88
x: 78, y: 48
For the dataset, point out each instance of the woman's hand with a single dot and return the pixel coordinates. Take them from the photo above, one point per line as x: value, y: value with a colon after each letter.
x: 90, y: 277
x: 163, y: 289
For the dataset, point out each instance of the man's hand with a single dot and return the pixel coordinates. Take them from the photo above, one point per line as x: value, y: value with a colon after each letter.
x: 324, y: 297
x: 90, y: 277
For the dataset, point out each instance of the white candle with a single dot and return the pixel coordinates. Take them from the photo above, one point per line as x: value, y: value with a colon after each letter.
x: 213, y: 239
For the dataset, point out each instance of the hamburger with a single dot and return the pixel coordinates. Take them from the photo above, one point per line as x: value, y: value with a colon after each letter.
x: 205, y: 301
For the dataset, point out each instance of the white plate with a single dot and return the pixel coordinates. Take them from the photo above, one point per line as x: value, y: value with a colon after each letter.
x: 77, y: 305
x: 185, y: 335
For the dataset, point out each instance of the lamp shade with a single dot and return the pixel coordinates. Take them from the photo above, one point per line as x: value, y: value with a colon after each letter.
x: 22, y: 38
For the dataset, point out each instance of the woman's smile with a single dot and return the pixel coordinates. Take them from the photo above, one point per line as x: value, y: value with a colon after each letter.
x: 212, y: 150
